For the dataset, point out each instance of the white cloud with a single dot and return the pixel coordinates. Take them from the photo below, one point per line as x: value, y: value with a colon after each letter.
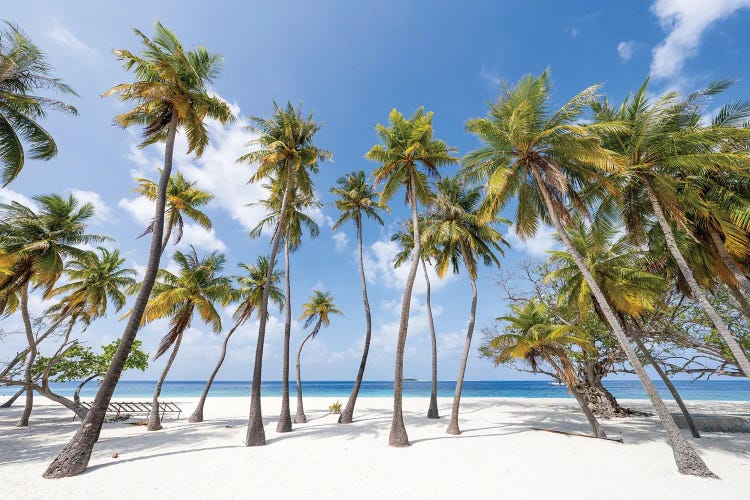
x: 537, y: 245
x: 199, y: 237
x: 62, y: 35
x: 8, y: 195
x: 491, y: 75
x: 341, y: 241
x: 140, y: 208
x: 685, y: 21
x: 625, y: 50
x: 102, y: 211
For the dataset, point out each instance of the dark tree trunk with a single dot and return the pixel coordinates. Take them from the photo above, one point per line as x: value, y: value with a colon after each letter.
x: 256, y: 434
x: 596, y: 429
x: 432, y: 411
x: 453, y: 424
x: 77, y: 394
x: 154, y: 419
x: 285, y: 416
x: 13, y: 398
x: 348, y: 414
x: 300, y: 417
x: 597, y: 397
x: 27, y: 375
x: 398, y: 436
x: 74, y: 458
x: 197, y: 415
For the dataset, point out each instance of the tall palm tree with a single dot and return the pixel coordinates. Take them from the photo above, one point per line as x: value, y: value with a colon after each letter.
x: 318, y: 309
x: 285, y: 151
x: 198, y: 287
x: 533, y: 337
x: 183, y: 198
x: 407, y: 144
x: 249, y: 294
x: 357, y: 200
x: 543, y: 157
x: 295, y: 220
x: 459, y: 235
x: 24, y: 71
x: 169, y: 93
x: 663, y: 145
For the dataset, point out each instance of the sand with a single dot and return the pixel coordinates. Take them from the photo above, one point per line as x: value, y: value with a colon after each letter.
x: 497, y: 456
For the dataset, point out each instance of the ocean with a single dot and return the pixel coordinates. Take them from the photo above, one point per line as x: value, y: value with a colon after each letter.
x: 712, y: 390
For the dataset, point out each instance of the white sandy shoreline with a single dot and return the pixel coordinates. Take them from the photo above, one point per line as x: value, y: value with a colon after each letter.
x: 498, y: 454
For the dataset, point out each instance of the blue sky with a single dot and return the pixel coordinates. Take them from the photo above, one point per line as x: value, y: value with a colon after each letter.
x: 350, y: 63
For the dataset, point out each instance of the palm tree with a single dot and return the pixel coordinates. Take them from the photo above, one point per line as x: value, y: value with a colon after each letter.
x: 663, y: 145
x: 169, y: 93
x: 285, y: 151
x: 532, y: 337
x: 459, y: 235
x: 318, y: 310
x: 23, y: 71
x: 183, y: 198
x: 543, y: 157
x: 249, y: 294
x: 357, y: 198
x: 198, y: 287
x: 295, y: 220
x: 405, y: 144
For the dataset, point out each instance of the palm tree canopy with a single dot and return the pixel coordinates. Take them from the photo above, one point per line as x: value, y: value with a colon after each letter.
x: 406, y: 144
x: 23, y: 72
x: 319, y: 309
x: 405, y: 239
x: 249, y: 293
x: 171, y: 82
x: 356, y: 198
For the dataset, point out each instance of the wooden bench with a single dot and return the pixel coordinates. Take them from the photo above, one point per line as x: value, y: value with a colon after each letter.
x: 133, y: 407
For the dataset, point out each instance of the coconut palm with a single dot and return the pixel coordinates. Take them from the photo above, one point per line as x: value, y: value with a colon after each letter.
x: 183, y: 198
x: 197, y: 287
x: 249, y: 294
x: 407, y: 144
x: 169, y: 93
x: 356, y: 201
x: 285, y: 151
x: 295, y: 220
x: 532, y: 337
x: 24, y: 71
x: 543, y: 157
x: 460, y: 236
x: 318, y: 310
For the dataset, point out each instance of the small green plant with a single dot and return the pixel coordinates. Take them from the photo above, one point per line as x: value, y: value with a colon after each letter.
x: 335, y: 408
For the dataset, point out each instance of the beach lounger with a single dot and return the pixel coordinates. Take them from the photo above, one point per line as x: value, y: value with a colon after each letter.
x: 136, y: 408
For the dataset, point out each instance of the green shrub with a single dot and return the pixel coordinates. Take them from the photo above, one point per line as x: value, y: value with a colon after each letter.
x: 335, y: 407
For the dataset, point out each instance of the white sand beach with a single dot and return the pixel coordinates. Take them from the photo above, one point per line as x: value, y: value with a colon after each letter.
x: 498, y: 455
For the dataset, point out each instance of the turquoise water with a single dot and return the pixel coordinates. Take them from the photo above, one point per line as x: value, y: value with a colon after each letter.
x: 717, y: 390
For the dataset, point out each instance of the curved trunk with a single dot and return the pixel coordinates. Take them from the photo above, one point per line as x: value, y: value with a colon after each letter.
x: 348, y: 413
x: 154, y: 420
x: 687, y: 459
x: 197, y: 415
x: 596, y: 428
x: 398, y: 436
x: 74, y: 458
x: 432, y: 411
x: 285, y: 417
x: 739, y: 355
x: 256, y: 434
x: 728, y: 260
x: 167, y: 232
x: 60, y: 352
x: 27, y: 375
x: 13, y: 398
x: 741, y: 301
x: 300, y: 417
x: 453, y: 424
x: 77, y: 394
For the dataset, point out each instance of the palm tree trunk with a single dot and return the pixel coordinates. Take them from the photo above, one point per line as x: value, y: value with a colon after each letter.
x: 20, y: 356
x: 736, y: 349
x: 300, y: 417
x: 453, y: 425
x: 154, y: 420
x: 432, y: 411
x: 77, y: 394
x: 348, y: 413
x: 13, y: 398
x: 167, y: 232
x: 398, y: 436
x: 27, y: 375
x: 687, y: 459
x: 256, y: 434
x: 285, y: 417
x: 741, y: 301
x: 74, y: 458
x: 729, y: 261
x: 197, y: 415
x: 596, y: 428
x: 60, y: 352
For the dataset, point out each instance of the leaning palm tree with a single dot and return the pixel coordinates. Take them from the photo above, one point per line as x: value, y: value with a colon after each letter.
x: 357, y: 200
x: 197, y: 287
x: 532, y: 337
x: 317, y: 310
x: 183, y: 198
x: 23, y: 71
x: 405, y: 145
x: 285, y: 151
x: 169, y: 93
x: 296, y: 219
x: 543, y: 157
x: 249, y: 294
x: 459, y: 235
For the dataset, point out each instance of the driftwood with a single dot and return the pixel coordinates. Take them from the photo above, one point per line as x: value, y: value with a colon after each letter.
x: 617, y: 440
